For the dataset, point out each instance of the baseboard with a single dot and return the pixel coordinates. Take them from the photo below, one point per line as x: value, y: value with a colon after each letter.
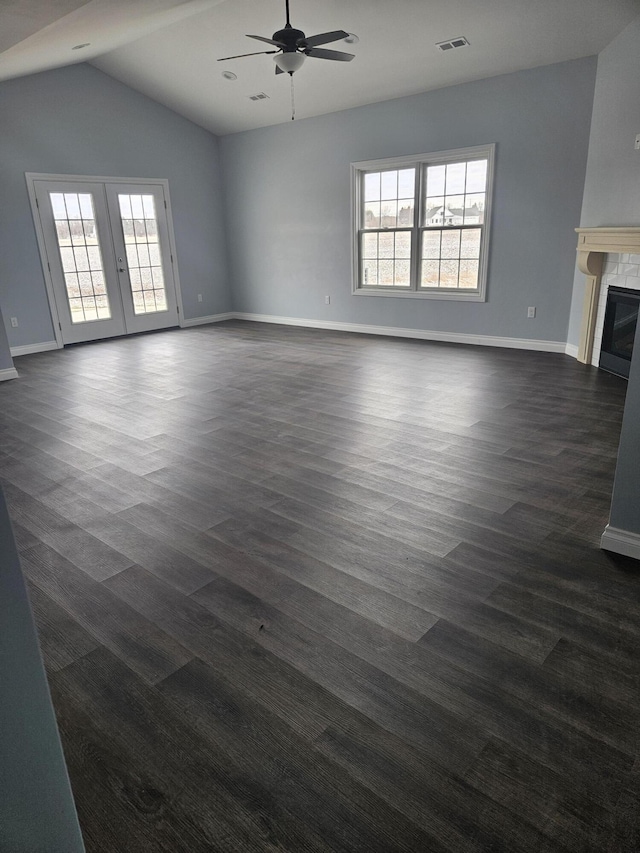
x: 621, y: 542
x: 396, y: 332
x: 203, y: 321
x: 8, y: 373
x: 27, y: 349
x: 360, y: 328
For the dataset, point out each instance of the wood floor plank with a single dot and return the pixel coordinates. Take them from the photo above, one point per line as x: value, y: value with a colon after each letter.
x: 307, y: 707
x: 62, y: 639
x: 401, y: 617
x: 164, y: 561
x: 197, y: 513
x: 524, y: 786
x: 302, y: 590
x: 615, y: 648
x: 70, y: 540
x: 414, y: 717
x: 145, y: 647
x: 219, y: 558
x: 336, y: 808
x: 597, y: 717
x: 120, y: 793
x: 409, y: 574
x: 214, y: 800
x: 463, y: 819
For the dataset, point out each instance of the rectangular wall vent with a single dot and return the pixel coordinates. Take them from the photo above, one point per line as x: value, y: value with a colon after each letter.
x: 259, y: 97
x: 461, y: 41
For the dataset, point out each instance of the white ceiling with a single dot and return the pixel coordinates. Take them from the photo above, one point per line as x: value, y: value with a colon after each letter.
x: 168, y: 49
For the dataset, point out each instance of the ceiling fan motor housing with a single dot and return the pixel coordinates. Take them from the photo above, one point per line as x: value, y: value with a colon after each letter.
x: 291, y: 38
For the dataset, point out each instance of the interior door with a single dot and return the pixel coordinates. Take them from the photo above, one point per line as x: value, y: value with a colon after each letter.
x: 143, y: 254
x: 75, y: 224
x: 107, y: 247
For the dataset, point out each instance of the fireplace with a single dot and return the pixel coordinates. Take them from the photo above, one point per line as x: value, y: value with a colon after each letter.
x: 620, y: 322
x: 593, y: 245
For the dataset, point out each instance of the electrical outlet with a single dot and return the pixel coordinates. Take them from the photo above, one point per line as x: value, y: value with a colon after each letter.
x: 638, y: 142
x: 327, y: 300
x: 14, y: 322
x: 531, y: 312
x: 199, y: 297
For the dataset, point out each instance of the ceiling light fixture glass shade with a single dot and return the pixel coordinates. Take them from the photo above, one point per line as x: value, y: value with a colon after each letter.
x: 289, y: 62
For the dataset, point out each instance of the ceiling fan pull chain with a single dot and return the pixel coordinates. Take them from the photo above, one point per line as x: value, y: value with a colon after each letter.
x: 293, y: 103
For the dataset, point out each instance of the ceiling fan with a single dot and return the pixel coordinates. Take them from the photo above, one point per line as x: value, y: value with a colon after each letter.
x: 293, y: 46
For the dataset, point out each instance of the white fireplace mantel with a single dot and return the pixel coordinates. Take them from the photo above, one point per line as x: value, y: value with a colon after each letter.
x: 593, y: 245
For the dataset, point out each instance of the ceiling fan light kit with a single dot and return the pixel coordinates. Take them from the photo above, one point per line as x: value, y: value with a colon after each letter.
x: 289, y: 62
x: 293, y: 46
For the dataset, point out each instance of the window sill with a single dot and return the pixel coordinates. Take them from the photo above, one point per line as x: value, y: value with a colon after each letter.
x: 450, y: 295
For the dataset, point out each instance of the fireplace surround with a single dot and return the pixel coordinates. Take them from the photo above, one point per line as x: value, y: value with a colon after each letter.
x: 593, y: 245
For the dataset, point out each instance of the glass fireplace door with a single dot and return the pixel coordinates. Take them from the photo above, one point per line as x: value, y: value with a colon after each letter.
x: 620, y: 326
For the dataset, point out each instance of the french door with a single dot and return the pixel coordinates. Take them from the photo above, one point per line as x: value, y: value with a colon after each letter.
x: 108, y: 251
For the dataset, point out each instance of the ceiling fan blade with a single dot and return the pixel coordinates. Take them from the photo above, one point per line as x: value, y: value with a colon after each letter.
x: 279, y: 70
x: 325, y: 38
x: 241, y: 55
x: 338, y: 55
x: 268, y: 41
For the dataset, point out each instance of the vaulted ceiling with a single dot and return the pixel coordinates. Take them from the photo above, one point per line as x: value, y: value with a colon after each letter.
x: 168, y: 49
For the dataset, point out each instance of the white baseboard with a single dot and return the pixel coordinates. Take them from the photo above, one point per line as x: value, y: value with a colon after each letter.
x: 621, y: 541
x: 361, y: 328
x: 396, y: 332
x: 27, y: 349
x: 8, y: 373
x: 203, y: 321
x: 571, y: 350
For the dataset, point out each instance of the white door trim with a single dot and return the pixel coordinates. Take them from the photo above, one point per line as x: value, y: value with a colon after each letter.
x: 31, y: 177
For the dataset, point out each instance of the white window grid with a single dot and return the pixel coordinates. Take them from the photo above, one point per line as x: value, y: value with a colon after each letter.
x: 420, y: 162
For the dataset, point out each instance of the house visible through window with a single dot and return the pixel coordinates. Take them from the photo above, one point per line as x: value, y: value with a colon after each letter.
x: 421, y: 224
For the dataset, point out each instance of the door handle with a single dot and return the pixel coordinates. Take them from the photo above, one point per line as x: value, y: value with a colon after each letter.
x: 122, y: 269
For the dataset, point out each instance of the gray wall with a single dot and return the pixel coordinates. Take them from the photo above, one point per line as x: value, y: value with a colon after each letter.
x: 287, y: 201
x: 612, y: 186
x: 625, y: 503
x: 612, y: 197
x: 37, y: 812
x: 77, y: 120
x: 5, y: 353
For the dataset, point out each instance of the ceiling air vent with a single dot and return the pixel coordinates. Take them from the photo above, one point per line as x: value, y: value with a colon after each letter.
x: 461, y: 41
x: 259, y: 97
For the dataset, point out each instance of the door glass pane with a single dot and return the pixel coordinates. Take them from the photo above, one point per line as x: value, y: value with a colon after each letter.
x: 80, y: 256
x: 140, y: 230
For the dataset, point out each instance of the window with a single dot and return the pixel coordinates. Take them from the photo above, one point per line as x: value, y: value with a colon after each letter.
x: 421, y: 224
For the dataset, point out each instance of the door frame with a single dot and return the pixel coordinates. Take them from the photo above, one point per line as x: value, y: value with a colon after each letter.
x: 31, y: 177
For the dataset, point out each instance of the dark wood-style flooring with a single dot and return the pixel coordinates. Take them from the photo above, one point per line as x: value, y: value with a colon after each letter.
x: 310, y: 591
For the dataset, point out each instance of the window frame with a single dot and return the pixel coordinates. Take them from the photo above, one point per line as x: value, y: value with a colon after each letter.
x: 420, y: 163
